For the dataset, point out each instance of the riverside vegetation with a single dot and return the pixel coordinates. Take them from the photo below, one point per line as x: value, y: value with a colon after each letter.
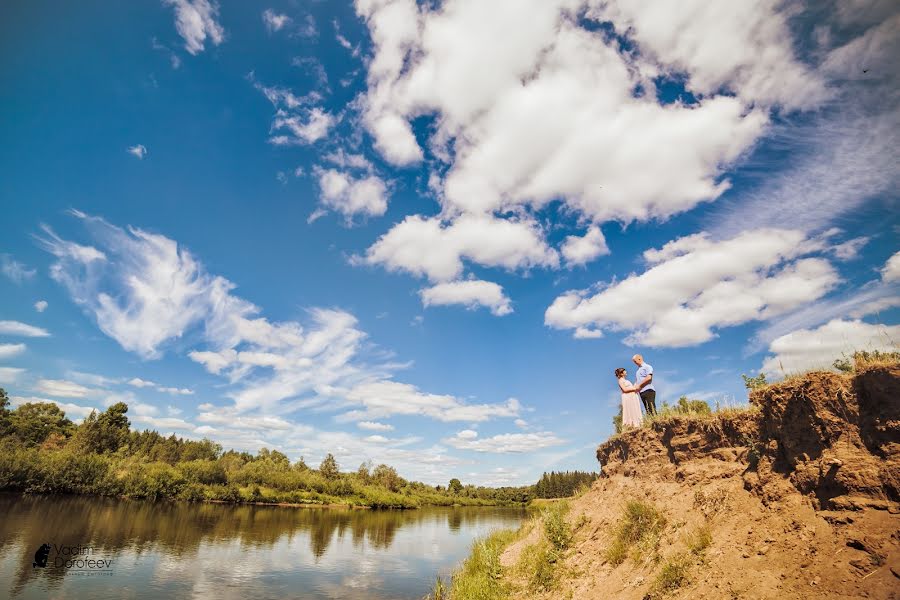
x: 42, y: 451
x: 794, y: 494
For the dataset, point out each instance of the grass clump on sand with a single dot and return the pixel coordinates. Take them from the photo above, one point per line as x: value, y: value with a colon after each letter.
x: 674, y: 574
x: 480, y: 576
x: 638, y: 533
x: 539, y: 562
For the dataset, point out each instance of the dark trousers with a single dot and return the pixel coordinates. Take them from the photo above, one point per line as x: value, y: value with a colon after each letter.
x: 648, y: 397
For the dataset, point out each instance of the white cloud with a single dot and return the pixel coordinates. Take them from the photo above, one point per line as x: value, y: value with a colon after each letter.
x: 891, y: 271
x: 505, y: 443
x: 742, y: 46
x: 10, y: 350
x: 297, y: 121
x: 581, y: 250
x: 274, y: 21
x: 140, y: 383
x: 375, y: 426
x: 14, y: 270
x: 10, y: 374
x: 140, y: 151
x: 428, y: 247
x: 386, y: 398
x: 807, y: 349
x: 197, y: 21
x: 552, y: 114
x: 40, y: 306
x: 350, y: 196
x: 695, y: 285
x: 471, y: 293
x: 62, y: 388
x: 176, y: 391
x: 164, y: 423
x: 22, y: 329
x: 143, y: 409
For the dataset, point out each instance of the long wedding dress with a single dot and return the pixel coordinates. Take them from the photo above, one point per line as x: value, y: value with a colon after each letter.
x: 631, y: 405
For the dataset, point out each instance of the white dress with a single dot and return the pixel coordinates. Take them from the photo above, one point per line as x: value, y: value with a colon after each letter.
x: 631, y: 405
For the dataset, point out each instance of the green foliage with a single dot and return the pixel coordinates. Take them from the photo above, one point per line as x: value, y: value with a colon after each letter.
x: 480, y: 576
x: 751, y: 383
x: 864, y: 358
x: 699, y: 539
x: 617, y: 420
x: 34, y: 422
x: 562, y: 484
x: 637, y: 534
x: 673, y: 575
x: 329, y: 467
x: 42, y: 452
x: 439, y: 591
x: 455, y: 486
x: 686, y: 406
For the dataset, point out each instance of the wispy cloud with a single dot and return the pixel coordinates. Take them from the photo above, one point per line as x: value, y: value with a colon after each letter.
x: 22, y: 329
x: 17, y: 272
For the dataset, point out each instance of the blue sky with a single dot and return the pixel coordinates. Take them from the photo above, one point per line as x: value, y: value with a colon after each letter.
x: 427, y: 235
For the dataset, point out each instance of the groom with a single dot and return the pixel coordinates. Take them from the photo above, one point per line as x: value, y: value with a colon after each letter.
x: 644, y: 383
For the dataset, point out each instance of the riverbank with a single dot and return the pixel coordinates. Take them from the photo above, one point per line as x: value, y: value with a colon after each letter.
x: 796, y: 496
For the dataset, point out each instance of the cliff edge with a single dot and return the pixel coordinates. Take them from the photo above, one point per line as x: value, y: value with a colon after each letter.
x: 796, y: 497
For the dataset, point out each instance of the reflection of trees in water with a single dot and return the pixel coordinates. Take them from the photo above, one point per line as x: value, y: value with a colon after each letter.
x: 178, y: 529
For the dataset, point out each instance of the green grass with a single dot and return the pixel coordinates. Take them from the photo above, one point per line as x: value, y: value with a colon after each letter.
x: 540, y: 562
x: 699, y: 539
x: 637, y: 534
x: 674, y: 574
x: 480, y: 576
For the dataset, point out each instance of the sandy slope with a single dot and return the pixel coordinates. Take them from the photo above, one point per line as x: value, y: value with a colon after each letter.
x: 802, y: 497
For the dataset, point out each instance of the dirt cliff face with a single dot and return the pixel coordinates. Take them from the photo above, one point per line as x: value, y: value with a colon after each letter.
x: 799, y: 496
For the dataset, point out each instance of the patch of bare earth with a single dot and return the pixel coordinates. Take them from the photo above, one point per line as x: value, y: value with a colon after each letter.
x: 800, y: 497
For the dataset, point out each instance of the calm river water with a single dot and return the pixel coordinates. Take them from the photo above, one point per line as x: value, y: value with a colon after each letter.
x: 103, y: 548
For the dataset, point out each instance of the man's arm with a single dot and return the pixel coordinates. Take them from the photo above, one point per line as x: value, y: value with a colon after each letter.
x: 645, y: 381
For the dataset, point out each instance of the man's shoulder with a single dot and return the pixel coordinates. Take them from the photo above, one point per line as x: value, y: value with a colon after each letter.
x: 647, y: 367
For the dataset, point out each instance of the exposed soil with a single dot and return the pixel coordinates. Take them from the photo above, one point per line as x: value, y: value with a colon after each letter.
x: 802, y: 497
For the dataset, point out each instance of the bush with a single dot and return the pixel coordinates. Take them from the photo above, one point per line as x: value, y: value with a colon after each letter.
x: 203, y: 471
x: 153, y: 481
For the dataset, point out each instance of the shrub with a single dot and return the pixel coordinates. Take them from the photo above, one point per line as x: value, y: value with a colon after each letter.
x: 203, y: 471
x: 153, y: 481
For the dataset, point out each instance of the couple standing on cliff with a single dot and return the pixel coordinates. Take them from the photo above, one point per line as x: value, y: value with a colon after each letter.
x: 643, y: 385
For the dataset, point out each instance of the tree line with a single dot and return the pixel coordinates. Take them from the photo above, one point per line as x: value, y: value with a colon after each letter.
x: 42, y: 451
x: 562, y: 484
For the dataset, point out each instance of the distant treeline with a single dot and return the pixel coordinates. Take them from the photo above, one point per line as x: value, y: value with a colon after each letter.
x: 42, y: 451
x: 562, y: 484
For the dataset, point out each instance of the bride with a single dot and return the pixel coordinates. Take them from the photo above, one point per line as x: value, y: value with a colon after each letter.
x: 631, y: 402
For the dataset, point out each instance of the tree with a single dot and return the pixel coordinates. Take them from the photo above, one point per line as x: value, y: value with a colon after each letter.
x: 455, y: 486
x: 4, y: 413
x: 617, y: 420
x: 751, y: 383
x: 106, y: 432
x: 687, y: 406
x: 363, y: 472
x: 387, y: 477
x: 34, y: 422
x: 329, y: 467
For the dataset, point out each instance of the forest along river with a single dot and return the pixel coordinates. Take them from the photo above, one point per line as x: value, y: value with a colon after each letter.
x: 104, y: 548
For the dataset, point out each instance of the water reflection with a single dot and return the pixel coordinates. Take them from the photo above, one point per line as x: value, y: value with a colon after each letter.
x: 244, y: 552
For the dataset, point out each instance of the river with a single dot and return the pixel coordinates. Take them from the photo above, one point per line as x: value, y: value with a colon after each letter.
x: 104, y: 548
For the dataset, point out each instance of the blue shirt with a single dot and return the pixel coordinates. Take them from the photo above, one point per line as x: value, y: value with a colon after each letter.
x: 643, y: 371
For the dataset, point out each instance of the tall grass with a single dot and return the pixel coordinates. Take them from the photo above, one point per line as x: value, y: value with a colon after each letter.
x: 638, y: 533
x: 480, y: 576
x: 540, y: 562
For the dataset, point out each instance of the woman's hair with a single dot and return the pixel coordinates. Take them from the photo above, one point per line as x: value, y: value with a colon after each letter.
x: 619, y: 372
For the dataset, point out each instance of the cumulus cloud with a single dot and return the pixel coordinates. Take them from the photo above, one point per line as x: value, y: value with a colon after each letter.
x: 695, y: 285
x: 471, y: 293
x: 818, y: 348
x: 342, y: 192
x: 71, y: 410
x: 429, y: 247
x: 891, y: 271
x: 562, y: 111
x: 139, y: 151
x: 274, y: 21
x: 504, y: 443
x: 196, y: 22
x: 579, y: 250
x: 14, y: 270
x: 10, y: 350
x: 140, y: 383
x: 18, y: 328
x: 41, y: 306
